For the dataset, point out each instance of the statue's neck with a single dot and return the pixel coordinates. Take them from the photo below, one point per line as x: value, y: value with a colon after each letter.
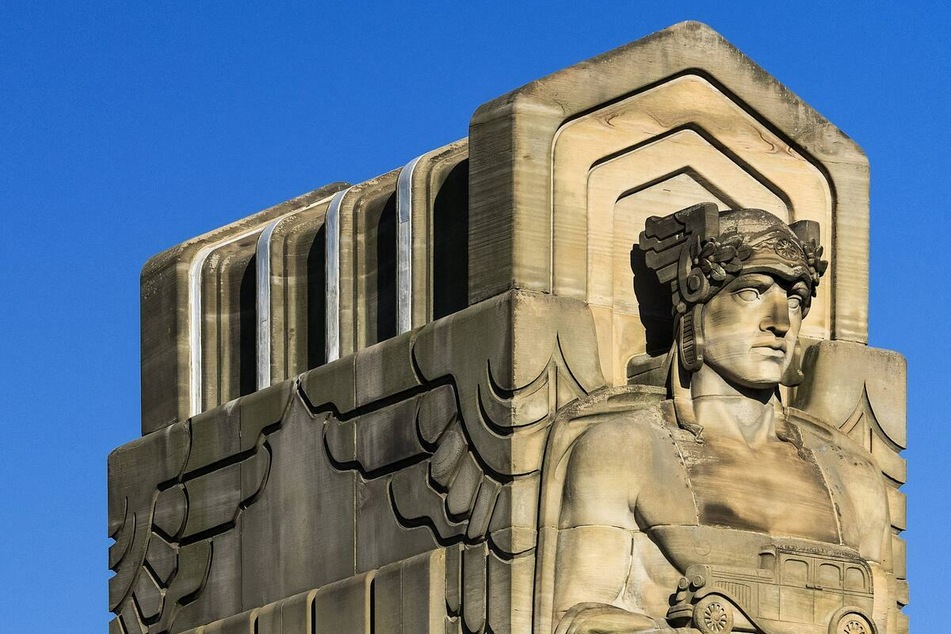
x: 728, y: 410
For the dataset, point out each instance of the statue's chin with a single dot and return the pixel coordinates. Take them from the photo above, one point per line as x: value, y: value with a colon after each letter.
x: 753, y: 383
x: 756, y: 373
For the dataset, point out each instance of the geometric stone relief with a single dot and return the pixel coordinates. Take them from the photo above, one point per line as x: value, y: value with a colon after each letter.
x: 450, y: 451
x: 862, y: 391
x: 681, y: 126
x: 462, y: 456
x: 171, y: 493
x: 555, y: 134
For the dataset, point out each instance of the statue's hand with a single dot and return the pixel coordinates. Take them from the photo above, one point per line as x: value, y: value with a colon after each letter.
x: 599, y: 618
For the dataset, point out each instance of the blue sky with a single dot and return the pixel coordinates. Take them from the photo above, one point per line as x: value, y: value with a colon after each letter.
x: 128, y: 127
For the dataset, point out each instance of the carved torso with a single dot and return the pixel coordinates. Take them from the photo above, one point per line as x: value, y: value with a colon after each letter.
x: 775, y: 488
x: 811, y: 492
x: 717, y: 502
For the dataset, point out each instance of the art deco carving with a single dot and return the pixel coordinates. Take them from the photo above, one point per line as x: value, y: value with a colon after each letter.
x: 719, y: 507
x: 588, y: 370
x: 180, y: 488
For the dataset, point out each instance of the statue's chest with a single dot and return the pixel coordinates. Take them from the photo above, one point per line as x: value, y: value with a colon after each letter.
x: 772, y: 489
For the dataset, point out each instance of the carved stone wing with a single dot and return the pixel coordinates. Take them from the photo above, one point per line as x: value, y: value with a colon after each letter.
x: 862, y: 391
x: 461, y: 450
x: 171, y: 493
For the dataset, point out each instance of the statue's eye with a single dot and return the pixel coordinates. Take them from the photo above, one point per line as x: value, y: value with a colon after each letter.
x: 795, y: 302
x: 748, y: 294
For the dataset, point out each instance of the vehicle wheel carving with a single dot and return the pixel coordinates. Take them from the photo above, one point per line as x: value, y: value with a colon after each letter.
x: 851, y: 622
x: 713, y: 615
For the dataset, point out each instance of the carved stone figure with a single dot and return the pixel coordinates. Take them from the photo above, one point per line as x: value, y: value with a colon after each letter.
x: 714, y: 507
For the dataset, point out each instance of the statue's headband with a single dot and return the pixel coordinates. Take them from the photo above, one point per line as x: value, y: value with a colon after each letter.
x: 699, y: 250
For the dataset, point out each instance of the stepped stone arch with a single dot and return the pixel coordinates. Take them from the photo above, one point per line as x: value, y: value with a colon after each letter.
x: 699, y: 103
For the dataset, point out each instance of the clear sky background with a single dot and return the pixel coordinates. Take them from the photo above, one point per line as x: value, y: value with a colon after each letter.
x: 127, y: 127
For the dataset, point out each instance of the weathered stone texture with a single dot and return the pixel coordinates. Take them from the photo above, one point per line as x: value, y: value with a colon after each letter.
x: 367, y: 409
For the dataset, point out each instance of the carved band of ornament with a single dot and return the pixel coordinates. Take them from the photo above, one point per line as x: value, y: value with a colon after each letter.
x: 263, y: 282
x: 436, y: 478
x: 332, y: 267
x: 494, y: 411
x: 356, y: 603
x: 196, y: 316
x: 404, y: 247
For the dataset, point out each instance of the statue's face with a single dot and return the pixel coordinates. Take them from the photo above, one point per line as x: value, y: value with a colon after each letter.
x: 750, y: 329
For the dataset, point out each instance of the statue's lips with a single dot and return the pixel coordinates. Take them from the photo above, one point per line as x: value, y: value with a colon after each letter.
x: 772, y: 349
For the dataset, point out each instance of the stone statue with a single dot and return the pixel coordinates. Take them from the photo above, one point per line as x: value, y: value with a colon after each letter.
x: 715, y: 507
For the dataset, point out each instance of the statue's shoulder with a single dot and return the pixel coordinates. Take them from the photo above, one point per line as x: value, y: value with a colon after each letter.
x: 606, y: 444
x: 818, y: 433
x: 856, y: 480
x: 625, y: 403
x: 615, y: 418
x: 817, y: 428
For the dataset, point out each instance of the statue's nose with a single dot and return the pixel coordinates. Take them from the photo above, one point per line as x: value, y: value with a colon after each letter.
x: 776, y: 319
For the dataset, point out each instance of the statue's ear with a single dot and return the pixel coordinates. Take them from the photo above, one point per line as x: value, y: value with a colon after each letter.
x: 793, y: 375
x: 690, y: 339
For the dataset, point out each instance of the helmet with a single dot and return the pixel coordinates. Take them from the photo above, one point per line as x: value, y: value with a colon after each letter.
x: 699, y: 250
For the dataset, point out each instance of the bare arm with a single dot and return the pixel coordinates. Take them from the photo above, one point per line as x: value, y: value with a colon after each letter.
x: 607, y: 569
